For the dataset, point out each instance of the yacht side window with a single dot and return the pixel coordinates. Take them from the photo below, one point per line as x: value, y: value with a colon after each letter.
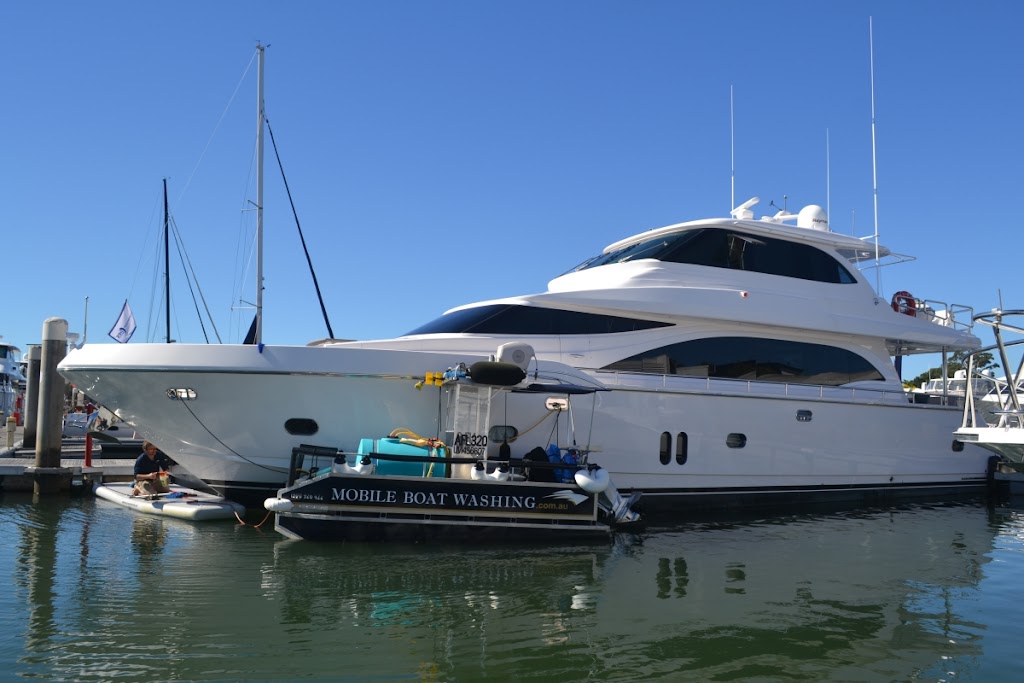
x: 752, y: 358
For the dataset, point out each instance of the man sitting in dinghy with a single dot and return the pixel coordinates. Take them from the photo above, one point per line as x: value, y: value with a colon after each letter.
x: 148, y: 468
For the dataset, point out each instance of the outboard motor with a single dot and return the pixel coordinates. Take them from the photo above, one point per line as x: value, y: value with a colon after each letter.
x: 596, y: 480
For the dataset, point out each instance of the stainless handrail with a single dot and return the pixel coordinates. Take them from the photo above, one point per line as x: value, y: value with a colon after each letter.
x: 747, y: 387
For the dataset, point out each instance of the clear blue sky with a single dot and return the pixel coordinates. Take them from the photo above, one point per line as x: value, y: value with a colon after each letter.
x: 447, y: 152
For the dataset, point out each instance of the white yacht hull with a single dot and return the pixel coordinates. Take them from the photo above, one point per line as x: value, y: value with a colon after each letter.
x: 799, y: 442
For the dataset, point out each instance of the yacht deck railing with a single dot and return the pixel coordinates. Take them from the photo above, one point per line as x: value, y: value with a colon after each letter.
x: 957, y: 316
x: 1006, y: 394
x: 752, y: 387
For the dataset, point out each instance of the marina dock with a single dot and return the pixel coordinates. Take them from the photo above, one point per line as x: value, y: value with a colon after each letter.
x: 17, y: 464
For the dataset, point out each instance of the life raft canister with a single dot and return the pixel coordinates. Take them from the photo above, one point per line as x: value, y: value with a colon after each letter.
x: 904, y: 302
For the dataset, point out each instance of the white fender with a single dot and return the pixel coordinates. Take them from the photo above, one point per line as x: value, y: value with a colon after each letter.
x: 278, y: 504
x: 592, y: 481
x: 498, y: 475
x: 363, y: 466
x: 479, y: 471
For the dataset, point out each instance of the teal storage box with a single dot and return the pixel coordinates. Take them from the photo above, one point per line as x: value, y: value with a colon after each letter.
x: 402, y: 467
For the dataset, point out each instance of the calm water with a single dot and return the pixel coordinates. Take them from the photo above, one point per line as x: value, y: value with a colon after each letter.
x: 98, y: 593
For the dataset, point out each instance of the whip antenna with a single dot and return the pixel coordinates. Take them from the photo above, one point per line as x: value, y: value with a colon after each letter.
x: 732, y: 150
x: 828, y: 176
x: 874, y: 162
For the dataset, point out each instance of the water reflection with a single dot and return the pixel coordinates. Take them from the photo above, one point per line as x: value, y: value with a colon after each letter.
x: 148, y: 537
x: 36, y: 557
x: 872, y: 596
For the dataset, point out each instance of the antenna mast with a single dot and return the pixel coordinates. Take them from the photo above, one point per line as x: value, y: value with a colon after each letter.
x: 259, y: 198
x: 874, y: 162
x: 732, y: 150
x: 85, y: 324
x: 167, y: 265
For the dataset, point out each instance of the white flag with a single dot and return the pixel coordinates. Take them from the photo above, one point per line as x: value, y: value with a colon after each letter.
x: 124, y: 328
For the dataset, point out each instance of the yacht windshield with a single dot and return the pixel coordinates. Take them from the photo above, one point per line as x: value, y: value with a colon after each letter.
x: 524, y: 320
x: 721, y: 248
x: 652, y: 248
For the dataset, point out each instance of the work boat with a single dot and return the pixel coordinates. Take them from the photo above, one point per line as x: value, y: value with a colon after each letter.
x: 408, y: 487
x: 741, y: 362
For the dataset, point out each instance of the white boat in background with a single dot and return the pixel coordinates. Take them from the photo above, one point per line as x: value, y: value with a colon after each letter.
x: 77, y: 425
x: 180, y: 503
x: 12, y: 380
x: 996, y: 396
x: 953, y: 389
x: 744, y: 362
x: 112, y: 434
x: 995, y: 420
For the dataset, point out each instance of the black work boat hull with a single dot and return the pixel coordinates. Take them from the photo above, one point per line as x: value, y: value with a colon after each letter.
x: 348, y: 507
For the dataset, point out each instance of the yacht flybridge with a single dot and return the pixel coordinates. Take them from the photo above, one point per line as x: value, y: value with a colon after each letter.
x: 726, y: 361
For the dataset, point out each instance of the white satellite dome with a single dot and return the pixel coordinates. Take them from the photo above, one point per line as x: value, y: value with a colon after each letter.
x: 813, y: 217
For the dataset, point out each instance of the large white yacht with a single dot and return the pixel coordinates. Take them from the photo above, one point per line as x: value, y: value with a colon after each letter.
x: 739, y: 361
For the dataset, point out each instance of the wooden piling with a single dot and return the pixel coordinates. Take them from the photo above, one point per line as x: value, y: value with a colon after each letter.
x: 31, y: 408
x: 49, y: 476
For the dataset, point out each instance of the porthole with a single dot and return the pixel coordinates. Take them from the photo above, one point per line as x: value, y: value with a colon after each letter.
x: 957, y: 446
x: 666, y: 448
x: 682, y: 441
x: 301, y: 426
x: 499, y: 433
x: 735, y: 440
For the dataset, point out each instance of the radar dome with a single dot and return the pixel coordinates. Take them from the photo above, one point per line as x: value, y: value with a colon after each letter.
x: 813, y: 217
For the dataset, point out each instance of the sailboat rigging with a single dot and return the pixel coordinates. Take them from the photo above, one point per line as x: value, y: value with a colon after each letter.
x: 255, y: 333
x: 125, y: 326
x: 257, y: 330
x: 188, y: 272
x: 167, y: 265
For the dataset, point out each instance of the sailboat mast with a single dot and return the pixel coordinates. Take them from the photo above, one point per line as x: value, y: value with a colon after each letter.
x: 259, y: 197
x: 167, y: 264
x: 85, y: 324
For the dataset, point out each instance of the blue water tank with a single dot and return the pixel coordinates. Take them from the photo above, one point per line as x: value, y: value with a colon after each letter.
x: 402, y: 467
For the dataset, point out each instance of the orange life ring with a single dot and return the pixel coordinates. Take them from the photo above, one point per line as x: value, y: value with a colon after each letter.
x: 904, y: 302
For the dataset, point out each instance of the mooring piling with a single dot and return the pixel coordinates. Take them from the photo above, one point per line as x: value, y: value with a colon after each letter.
x: 50, y: 477
x: 32, y: 356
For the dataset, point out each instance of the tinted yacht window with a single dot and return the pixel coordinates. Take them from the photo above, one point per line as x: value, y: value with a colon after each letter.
x: 523, y: 320
x: 766, y: 360
x: 720, y: 248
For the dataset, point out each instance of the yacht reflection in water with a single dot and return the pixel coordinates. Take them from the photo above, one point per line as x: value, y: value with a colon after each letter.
x: 871, y: 590
x: 881, y: 595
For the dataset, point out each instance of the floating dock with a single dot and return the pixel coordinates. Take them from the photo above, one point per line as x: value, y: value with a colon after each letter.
x: 17, y: 464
